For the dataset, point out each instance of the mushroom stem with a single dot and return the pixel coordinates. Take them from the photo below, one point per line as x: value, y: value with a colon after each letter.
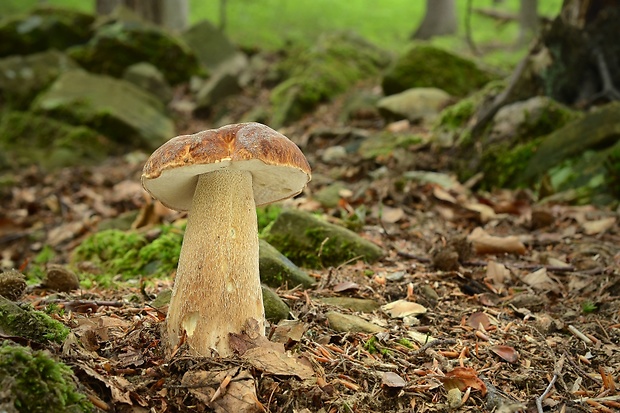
x: 217, y: 286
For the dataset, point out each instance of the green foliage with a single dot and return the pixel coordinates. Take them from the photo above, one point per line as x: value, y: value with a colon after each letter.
x: 266, y: 215
x: 161, y: 257
x: 405, y: 342
x: 34, y: 382
x: 31, y: 324
x: 588, y: 307
x: 503, y: 165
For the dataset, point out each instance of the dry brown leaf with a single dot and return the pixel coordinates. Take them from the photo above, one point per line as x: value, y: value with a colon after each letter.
x: 598, y: 226
x: 462, y: 378
x: 345, y: 286
x: 391, y: 215
x: 289, y: 330
x: 484, y: 243
x: 443, y: 195
x: 479, y: 321
x: 403, y: 308
x: 486, y: 212
x: 393, y: 380
x: 271, y: 361
x: 497, y: 273
x: 539, y: 280
x: 506, y: 352
x: 239, y: 395
x: 119, y: 386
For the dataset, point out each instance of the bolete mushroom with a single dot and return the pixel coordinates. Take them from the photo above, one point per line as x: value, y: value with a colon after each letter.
x: 220, y: 176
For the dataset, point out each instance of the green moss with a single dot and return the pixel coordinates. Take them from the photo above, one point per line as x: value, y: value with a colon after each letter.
x: 161, y: 257
x: 31, y: 324
x: 429, y: 66
x: 385, y: 143
x: 405, y: 342
x: 32, y: 381
x: 266, y: 215
x: 33, y: 139
x: 119, y: 45
x: 502, y: 165
x: 330, y: 67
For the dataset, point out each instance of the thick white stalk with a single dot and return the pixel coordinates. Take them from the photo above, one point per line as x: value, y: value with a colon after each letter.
x: 217, y: 286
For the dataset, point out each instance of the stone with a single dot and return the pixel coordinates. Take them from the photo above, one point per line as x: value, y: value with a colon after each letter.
x: 417, y: 104
x: 214, y: 49
x: 312, y: 242
x: 276, y: 270
x: 23, y: 77
x: 335, y: 154
x: 149, y: 78
x: 331, y: 66
x: 275, y: 308
x: 346, y: 323
x: 385, y: 144
x: 44, y: 28
x: 362, y: 305
x: 329, y: 195
x: 219, y: 86
x: 115, y: 108
x: 31, y: 139
x: 118, y: 45
x: 428, y: 66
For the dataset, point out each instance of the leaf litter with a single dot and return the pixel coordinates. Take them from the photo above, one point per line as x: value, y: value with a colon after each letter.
x: 528, y: 305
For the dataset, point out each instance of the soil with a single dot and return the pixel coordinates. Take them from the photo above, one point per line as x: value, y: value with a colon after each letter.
x: 521, y: 300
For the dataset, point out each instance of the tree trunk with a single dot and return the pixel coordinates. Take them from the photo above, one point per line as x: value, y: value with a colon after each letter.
x: 171, y: 14
x: 440, y: 19
x: 528, y: 20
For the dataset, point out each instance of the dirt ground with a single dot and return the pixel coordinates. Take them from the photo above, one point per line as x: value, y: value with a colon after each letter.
x: 518, y: 303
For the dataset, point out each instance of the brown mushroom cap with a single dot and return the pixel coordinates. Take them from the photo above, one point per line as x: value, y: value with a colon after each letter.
x: 279, y: 169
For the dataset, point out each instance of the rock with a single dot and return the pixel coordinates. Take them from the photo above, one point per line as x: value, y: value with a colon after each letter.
x: 335, y: 154
x: 44, y: 28
x: 275, y: 308
x: 60, y: 278
x: 311, y: 242
x: 329, y: 196
x: 351, y: 324
x: 330, y: 67
x: 31, y: 139
x: 429, y: 66
x: 23, y: 77
x: 219, y: 86
x: 385, y: 144
x: 149, y: 78
x: 213, y: 49
x: 354, y: 304
x: 30, y: 324
x: 417, y: 104
x: 115, y: 108
x: 118, y: 45
x: 12, y: 284
x: 276, y: 270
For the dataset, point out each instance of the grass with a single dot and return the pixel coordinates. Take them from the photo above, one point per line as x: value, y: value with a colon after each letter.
x: 271, y: 24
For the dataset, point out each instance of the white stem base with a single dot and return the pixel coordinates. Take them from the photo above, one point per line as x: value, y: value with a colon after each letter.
x: 217, y: 287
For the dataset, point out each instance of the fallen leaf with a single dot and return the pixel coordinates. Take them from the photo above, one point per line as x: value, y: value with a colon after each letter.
x: 497, y: 273
x: 420, y: 338
x: 403, y: 308
x: 479, y: 321
x: 392, y: 380
x: 598, y: 226
x: 270, y: 361
x: 486, y: 212
x: 289, y: 330
x: 484, y: 243
x: 506, y: 352
x: 443, y: 195
x: 239, y: 394
x: 345, y: 286
x: 462, y: 378
x: 541, y: 281
x: 391, y: 215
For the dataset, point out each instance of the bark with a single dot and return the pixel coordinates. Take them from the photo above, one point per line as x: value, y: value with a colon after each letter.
x: 528, y: 20
x: 440, y: 19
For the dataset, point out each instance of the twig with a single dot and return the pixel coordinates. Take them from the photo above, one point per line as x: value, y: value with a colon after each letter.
x: 581, y: 372
x: 580, y: 335
x: 556, y: 373
x: 433, y: 343
x: 76, y: 303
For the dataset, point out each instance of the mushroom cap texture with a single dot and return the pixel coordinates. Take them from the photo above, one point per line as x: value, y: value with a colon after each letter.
x: 279, y: 169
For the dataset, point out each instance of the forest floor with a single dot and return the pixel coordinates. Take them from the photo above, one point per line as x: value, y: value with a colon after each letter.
x: 517, y: 301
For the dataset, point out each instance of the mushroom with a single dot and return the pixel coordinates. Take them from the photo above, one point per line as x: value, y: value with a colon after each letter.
x: 220, y: 176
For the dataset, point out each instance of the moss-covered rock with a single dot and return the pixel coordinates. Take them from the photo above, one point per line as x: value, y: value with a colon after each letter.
x: 23, y: 77
x: 115, y: 108
x: 330, y: 67
x: 30, y: 324
x: 429, y: 66
x: 276, y: 270
x: 118, y: 45
x: 44, y: 28
x: 33, y: 382
x: 417, y: 104
x: 275, y: 308
x: 384, y: 144
x: 311, y: 242
x: 33, y: 139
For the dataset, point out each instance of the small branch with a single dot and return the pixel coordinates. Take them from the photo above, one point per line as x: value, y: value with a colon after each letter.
x: 76, y: 303
x: 556, y: 373
x: 580, y: 335
x: 433, y: 344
